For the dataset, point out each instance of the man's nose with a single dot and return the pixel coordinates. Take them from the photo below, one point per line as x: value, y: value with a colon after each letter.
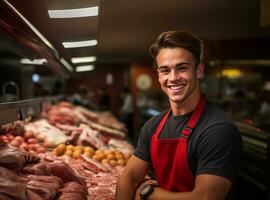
x: 173, y: 74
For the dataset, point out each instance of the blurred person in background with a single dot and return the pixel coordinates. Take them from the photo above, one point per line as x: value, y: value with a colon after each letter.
x: 82, y: 97
x: 104, y: 99
x: 193, y: 148
x: 263, y: 115
x: 126, y: 111
x: 57, y: 88
x: 238, y: 106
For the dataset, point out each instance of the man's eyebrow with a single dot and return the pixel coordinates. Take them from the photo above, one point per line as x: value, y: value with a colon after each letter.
x: 163, y: 66
x: 183, y: 63
x: 177, y: 65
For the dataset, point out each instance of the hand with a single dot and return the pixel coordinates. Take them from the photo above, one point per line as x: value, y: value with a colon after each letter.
x: 152, y: 182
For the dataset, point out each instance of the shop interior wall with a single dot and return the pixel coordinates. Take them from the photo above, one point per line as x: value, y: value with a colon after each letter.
x: 98, y: 78
x: 144, y: 96
x: 254, y: 48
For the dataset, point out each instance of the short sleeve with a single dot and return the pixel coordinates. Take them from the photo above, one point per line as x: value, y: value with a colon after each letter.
x: 219, y: 151
x: 142, y: 150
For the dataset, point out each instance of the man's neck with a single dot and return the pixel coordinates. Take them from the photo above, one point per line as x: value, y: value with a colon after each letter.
x: 187, y: 106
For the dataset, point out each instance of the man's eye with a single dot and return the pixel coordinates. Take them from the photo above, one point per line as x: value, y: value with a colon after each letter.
x: 181, y: 69
x: 164, y: 71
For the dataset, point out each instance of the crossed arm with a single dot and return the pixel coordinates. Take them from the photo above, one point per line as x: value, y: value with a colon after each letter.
x: 207, y: 186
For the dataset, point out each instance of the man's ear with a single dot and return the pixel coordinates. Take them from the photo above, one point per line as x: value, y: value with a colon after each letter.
x: 200, y: 71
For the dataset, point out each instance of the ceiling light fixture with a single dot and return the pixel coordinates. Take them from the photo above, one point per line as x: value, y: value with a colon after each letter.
x: 83, y: 59
x: 66, y: 64
x: 26, y: 61
x: 32, y: 27
x: 77, y: 44
x: 85, y: 68
x: 74, y: 13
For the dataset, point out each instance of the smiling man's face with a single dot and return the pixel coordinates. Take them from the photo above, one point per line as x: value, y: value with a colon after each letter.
x: 177, y: 74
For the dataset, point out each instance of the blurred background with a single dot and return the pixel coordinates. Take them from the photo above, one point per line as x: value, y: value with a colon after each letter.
x: 90, y: 51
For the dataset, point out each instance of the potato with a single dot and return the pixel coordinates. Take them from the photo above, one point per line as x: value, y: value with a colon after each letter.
x: 89, y: 149
x: 78, y: 149
x: 105, y: 161
x: 98, y: 151
x: 76, y: 153
x: 102, y: 155
x: 113, y: 162
x: 70, y: 147
x: 121, y: 162
x: 68, y: 153
x: 117, y: 151
x: 97, y: 157
x: 58, y: 151
x: 61, y: 148
x: 106, y: 152
x: 88, y: 154
x: 81, y: 148
x: 119, y: 157
x: 111, y: 157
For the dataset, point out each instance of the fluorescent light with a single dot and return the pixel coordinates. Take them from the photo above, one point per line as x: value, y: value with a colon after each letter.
x: 85, y: 43
x: 32, y: 27
x: 66, y: 64
x: 85, y: 68
x: 83, y: 59
x: 74, y: 13
x: 26, y: 61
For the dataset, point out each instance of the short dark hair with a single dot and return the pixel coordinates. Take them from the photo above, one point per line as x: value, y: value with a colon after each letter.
x: 174, y: 39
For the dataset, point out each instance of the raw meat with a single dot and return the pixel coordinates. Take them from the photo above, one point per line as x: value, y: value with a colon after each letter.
x: 14, y: 158
x: 46, y: 131
x: 90, y: 137
x: 46, y: 186
x: 73, y: 191
x: 11, y: 187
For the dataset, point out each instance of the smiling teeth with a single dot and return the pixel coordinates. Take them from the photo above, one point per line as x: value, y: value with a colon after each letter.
x: 176, y: 87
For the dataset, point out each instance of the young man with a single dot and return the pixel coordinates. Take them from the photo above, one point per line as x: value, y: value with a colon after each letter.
x: 192, y: 148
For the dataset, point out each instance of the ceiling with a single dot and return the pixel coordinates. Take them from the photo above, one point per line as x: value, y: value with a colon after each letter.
x: 125, y: 29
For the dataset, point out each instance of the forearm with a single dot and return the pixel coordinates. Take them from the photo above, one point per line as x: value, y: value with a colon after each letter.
x: 161, y: 194
x: 207, y: 187
x: 131, y: 178
x: 126, y: 187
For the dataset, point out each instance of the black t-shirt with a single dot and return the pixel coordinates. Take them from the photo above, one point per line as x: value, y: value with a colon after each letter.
x: 213, y: 148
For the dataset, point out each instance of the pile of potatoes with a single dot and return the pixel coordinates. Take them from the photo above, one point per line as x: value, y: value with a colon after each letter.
x: 112, y: 157
x: 72, y: 151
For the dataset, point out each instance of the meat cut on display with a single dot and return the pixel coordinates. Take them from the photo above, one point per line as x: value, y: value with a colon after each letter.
x: 64, y: 154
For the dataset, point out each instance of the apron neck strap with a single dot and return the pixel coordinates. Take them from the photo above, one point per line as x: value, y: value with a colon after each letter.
x: 195, y: 117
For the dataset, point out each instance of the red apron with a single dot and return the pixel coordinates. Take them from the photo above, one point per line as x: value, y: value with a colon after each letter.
x: 169, y: 156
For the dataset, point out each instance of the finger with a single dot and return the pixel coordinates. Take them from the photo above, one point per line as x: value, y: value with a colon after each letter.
x: 152, y: 182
